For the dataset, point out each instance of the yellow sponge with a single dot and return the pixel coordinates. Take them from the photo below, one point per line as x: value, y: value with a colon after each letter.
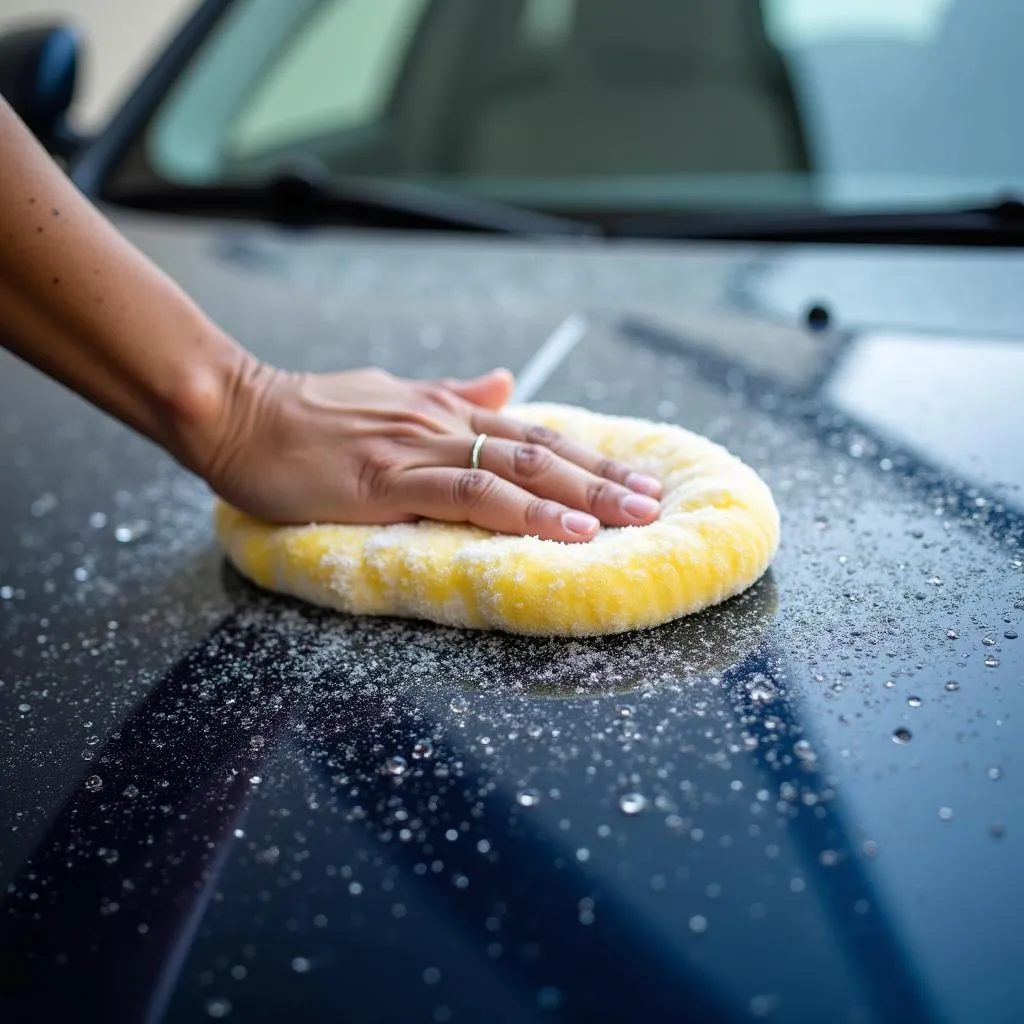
x: 717, y: 533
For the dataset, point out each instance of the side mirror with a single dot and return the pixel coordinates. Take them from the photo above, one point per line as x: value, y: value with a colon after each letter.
x: 38, y: 73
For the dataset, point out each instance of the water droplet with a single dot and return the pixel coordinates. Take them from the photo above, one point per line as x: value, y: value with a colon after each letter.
x: 528, y: 797
x: 91, y: 741
x: 43, y: 505
x: 625, y: 711
x: 431, y: 976
x: 698, y: 924
x: 991, y: 661
x: 459, y: 705
x: 1010, y: 634
x: 902, y: 735
x: 805, y: 752
x: 97, y: 520
x: 889, y: 684
x: 301, y: 964
x: 946, y: 813
x: 549, y: 998
x: 997, y: 830
x: 764, y: 1005
x: 131, y: 791
x: 952, y: 686
x: 255, y: 779
x: 995, y: 774
x: 952, y: 634
x: 915, y: 702
x: 632, y: 803
x: 93, y: 783
x: 396, y: 765
x: 131, y: 532
x: 257, y: 742
x: 935, y: 581
x: 989, y: 641
x: 535, y: 731
x: 24, y: 708
x: 108, y: 855
x: 88, y: 755
x: 422, y: 749
x: 218, y: 1007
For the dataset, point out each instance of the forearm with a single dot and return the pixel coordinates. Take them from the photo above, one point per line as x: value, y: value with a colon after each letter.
x: 78, y: 301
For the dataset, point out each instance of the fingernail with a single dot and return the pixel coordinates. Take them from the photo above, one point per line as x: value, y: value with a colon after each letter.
x: 643, y: 484
x: 580, y: 523
x: 639, y: 506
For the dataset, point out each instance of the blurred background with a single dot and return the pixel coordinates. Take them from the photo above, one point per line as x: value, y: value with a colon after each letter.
x: 122, y: 36
x: 596, y: 109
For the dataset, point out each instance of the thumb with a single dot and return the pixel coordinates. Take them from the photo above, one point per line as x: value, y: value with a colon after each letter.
x: 491, y: 391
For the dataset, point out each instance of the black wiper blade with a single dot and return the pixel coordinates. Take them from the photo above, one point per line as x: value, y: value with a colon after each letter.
x: 998, y: 224
x: 300, y: 197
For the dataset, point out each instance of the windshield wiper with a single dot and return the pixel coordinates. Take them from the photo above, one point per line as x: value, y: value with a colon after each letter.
x: 999, y: 224
x: 304, y: 197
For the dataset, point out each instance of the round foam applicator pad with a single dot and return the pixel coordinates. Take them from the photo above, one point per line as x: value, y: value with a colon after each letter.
x: 717, y: 532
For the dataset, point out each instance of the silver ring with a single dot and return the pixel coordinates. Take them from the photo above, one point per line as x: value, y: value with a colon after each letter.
x: 478, y: 447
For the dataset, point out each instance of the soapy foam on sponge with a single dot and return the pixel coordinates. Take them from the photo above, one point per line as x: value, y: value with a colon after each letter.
x: 716, y: 535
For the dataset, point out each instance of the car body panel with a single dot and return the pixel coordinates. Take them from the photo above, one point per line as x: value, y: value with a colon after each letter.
x: 201, y: 814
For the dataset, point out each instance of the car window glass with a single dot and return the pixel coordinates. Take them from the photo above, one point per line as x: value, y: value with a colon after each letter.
x: 586, y: 106
x: 546, y: 23
x: 793, y: 23
x: 337, y: 73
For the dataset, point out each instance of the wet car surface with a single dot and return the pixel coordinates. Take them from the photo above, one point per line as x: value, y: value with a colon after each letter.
x: 802, y: 805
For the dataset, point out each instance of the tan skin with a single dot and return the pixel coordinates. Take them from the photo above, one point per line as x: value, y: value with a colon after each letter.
x: 79, y: 302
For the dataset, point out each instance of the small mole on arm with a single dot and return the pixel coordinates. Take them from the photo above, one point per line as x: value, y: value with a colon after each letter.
x: 32, y: 201
x: 56, y: 280
x: 55, y: 212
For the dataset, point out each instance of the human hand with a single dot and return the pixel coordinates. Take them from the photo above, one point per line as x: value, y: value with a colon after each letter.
x: 366, y: 447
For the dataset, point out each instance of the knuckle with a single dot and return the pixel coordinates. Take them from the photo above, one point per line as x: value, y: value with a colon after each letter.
x: 377, y: 473
x: 611, y: 469
x: 438, y: 394
x: 412, y: 429
x: 472, y: 487
x: 600, y: 492
x: 543, y: 436
x: 529, y: 460
x: 536, y: 513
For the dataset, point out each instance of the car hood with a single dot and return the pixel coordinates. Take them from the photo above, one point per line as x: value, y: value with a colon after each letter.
x: 797, y: 805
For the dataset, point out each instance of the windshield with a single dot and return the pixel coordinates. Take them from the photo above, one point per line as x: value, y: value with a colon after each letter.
x: 601, y: 106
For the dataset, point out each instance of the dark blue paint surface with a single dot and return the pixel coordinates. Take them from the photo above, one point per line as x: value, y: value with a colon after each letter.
x: 201, y: 814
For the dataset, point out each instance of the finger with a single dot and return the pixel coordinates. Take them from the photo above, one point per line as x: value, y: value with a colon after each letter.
x: 488, y: 501
x: 529, y: 433
x: 541, y: 472
x: 491, y: 391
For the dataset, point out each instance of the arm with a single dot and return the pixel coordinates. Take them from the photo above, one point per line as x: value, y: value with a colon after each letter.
x: 83, y: 305
x: 78, y: 301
